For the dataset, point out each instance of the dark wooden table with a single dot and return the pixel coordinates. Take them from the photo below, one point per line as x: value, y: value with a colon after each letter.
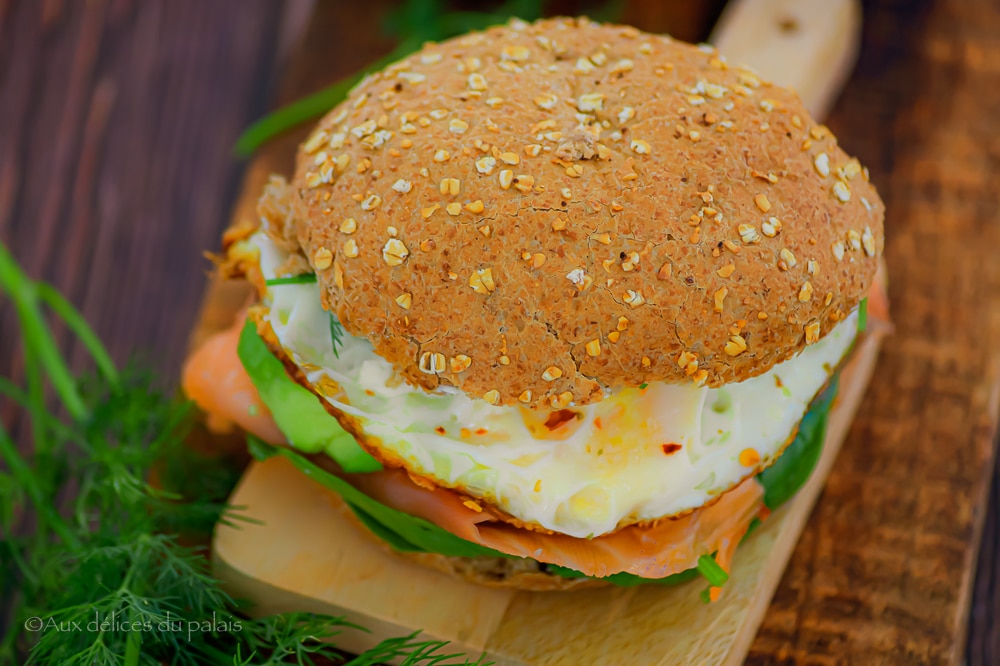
x: 117, y: 121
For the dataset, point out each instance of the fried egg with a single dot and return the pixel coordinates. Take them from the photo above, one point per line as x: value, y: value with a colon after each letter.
x: 636, y: 455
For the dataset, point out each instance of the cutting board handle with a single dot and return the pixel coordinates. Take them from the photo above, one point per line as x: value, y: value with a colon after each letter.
x: 808, y: 45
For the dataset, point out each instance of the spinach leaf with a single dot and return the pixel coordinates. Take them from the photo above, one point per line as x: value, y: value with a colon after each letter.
x: 794, y: 467
x: 401, y: 530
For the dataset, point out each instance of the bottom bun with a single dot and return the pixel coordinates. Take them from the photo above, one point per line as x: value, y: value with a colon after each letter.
x: 508, y: 572
x: 517, y: 573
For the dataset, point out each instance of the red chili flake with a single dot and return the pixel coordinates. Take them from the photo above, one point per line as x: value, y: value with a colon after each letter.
x: 482, y: 431
x: 777, y: 382
x: 370, y: 392
x: 671, y: 447
x: 440, y: 430
x: 597, y: 423
x: 559, y: 418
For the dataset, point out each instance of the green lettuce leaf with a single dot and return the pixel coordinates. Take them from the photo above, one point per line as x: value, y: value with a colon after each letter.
x: 401, y: 530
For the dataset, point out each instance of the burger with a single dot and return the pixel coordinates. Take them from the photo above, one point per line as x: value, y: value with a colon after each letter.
x: 554, y: 304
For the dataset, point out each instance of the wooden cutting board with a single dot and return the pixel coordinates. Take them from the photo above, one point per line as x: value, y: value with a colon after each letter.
x: 304, y: 557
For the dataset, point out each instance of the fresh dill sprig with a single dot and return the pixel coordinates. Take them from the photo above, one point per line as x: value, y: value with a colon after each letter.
x: 415, y: 650
x: 336, y: 329
x: 336, y: 334
x: 97, y: 562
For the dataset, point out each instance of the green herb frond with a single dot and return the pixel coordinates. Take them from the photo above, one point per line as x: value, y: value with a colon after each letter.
x: 92, y: 553
x: 415, y: 652
x: 336, y: 335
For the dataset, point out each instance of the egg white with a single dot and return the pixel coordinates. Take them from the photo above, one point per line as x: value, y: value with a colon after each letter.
x: 612, y: 469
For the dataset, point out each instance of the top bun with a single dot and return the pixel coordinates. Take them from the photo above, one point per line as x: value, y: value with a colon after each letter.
x: 541, y: 212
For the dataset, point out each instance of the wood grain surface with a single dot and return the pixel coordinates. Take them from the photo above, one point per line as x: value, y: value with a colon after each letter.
x: 116, y: 122
x: 880, y: 573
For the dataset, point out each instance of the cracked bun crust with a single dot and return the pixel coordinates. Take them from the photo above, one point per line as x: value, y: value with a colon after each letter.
x: 540, y: 212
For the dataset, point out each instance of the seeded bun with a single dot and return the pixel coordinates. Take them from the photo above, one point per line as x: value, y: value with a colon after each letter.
x: 540, y: 212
